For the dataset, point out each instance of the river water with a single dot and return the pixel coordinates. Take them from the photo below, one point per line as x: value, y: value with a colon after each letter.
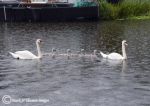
x: 76, y: 81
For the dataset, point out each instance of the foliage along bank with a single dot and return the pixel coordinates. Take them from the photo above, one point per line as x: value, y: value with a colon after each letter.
x: 124, y: 9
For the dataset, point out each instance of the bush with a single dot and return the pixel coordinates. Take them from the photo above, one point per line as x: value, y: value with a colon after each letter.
x: 126, y: 8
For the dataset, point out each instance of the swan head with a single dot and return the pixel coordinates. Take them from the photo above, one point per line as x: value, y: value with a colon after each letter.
x: 68, y: 51
x: 53, y: 50
x: 124, y: 42
x: 82, y: 51
x: 38, y: 41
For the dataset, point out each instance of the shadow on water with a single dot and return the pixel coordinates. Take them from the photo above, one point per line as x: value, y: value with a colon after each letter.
x: 77, y: 81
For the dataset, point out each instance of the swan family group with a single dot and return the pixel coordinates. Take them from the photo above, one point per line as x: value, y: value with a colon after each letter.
x: 28, y: 55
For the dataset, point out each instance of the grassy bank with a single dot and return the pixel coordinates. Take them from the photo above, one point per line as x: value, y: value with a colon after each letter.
x: 127, y: 9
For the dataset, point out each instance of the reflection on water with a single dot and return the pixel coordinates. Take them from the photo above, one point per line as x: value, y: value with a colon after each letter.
x: 77, y: 81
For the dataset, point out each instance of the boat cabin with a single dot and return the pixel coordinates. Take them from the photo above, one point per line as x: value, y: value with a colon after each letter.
x: 39, y: 1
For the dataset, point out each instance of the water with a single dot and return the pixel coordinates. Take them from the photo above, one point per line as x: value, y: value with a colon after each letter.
x: 77, y: 81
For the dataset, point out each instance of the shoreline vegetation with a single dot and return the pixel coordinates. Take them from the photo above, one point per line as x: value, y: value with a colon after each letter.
x: 124, y: 9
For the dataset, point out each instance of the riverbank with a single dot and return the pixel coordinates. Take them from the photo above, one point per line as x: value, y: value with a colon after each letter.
x: 126, y: 9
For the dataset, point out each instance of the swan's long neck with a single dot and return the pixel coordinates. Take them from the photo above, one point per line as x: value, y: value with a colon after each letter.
x: 124, y: 51
x: 39, y: 50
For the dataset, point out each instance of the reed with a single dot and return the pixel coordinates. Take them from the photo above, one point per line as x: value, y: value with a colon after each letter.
x: 124, y: 9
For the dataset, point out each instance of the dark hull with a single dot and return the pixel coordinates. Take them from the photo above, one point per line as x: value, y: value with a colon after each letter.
x: 32, y: 14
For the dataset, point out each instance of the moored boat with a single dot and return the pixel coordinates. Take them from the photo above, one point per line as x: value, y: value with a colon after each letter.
x: 48, y: 10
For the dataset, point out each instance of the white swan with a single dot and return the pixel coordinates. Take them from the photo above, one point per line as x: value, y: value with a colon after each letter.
x: 27, y: 54
x: 116, y: 56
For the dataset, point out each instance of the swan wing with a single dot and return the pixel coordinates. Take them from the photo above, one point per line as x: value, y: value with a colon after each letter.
x: 26, y: 54
x: 14, y: 55
x: 23, y: 55
x: 115, y: 56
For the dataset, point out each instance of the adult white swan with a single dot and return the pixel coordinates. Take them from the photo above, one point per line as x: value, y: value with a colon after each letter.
x: 116, y: 56
x: 27, y: 54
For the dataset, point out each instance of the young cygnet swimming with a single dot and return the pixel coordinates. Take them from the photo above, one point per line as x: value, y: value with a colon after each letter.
x: 53, y: 53
x: 92, y: 56
x: 82, y: 53
x: 68, y: 54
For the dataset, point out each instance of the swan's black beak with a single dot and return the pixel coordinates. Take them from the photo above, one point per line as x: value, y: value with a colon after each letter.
x: 40, y: 41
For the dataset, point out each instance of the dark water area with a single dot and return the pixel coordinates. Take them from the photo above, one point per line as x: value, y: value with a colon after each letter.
x: 76, y: 81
